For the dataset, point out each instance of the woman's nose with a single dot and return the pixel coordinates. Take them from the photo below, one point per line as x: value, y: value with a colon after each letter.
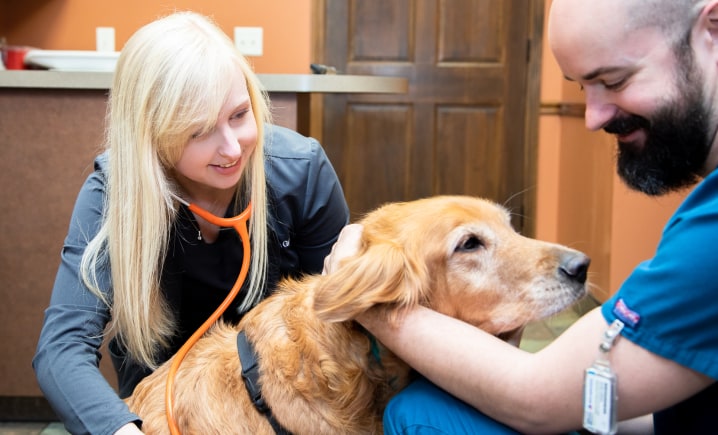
x: 229, y: 146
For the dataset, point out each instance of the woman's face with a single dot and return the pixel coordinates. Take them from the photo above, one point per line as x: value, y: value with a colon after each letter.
x: 212, y: 163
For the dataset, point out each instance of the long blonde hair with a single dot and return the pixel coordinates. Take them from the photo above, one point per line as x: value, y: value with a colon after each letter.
x: 172, y: 79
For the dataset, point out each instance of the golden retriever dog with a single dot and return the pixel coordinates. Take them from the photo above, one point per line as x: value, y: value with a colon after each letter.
x: 320, y: 372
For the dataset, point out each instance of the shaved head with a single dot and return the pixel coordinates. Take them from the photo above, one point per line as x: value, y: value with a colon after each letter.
x: 667, y: 15
x: 674, y: 18
x: 644, y: 82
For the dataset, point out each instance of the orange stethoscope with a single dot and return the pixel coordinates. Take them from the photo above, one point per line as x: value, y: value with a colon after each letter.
x: 239, y: 223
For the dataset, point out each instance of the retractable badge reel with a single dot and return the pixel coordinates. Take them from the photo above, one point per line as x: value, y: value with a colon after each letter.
x: 599, y: 389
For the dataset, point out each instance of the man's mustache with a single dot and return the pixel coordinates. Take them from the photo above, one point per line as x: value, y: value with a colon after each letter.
x: 626, y: 124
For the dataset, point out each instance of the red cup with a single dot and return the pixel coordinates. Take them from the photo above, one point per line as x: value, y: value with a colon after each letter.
x: 13, y: 56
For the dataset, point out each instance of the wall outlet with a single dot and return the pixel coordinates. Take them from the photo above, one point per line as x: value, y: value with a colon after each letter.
x: 248, y: 40
x: 105, y: 38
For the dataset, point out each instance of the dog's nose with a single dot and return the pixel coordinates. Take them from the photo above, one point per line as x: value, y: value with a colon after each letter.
x: 575, y: 266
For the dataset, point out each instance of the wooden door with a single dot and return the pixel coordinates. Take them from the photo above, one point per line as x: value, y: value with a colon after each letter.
x: 468, y: 124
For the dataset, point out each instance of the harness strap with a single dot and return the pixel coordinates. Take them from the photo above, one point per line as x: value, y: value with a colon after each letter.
x: 250, y: 376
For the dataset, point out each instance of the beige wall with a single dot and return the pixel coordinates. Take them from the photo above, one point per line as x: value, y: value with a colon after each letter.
x: 637, y: 225
x: 70, y: 24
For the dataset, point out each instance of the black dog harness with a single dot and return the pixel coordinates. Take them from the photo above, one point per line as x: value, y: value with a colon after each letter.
x: 250, y: 375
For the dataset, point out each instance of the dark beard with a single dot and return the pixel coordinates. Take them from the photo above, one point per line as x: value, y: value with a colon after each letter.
x: 677, y: 141
x: 673, y: 155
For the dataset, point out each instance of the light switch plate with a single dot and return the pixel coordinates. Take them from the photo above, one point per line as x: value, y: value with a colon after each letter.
x: 105, y: 38
x: 248, y: 40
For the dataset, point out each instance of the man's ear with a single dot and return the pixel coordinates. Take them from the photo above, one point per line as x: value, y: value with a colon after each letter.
x: 705, y: 30
x: 708, y: 19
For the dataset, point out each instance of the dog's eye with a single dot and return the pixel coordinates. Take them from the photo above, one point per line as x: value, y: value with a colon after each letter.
x: 471, y: 243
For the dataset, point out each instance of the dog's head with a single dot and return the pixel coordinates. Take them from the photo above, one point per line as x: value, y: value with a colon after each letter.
x: 458, y: 255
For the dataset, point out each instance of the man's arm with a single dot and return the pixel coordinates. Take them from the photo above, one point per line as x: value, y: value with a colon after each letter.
x: 541, y: 392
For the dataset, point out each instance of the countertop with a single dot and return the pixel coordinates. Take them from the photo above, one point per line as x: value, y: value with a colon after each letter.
x: 304, y: 83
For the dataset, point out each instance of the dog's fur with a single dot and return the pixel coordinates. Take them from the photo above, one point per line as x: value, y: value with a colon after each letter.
x: 319, y: 369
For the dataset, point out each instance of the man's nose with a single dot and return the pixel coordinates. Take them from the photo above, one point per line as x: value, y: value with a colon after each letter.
x: 599, y: 111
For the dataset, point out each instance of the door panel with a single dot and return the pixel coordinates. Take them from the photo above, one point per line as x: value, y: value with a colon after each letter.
x: 467, y: 125
x: 381, y: 150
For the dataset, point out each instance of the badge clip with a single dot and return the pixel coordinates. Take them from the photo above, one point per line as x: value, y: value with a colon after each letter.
x: 600, y: 393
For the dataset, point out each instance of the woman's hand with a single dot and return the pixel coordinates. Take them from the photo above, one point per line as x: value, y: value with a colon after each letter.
x: 346, y: 245
x: 129, y: 429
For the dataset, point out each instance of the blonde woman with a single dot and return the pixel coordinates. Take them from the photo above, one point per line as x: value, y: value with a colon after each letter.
x: 187, y: 119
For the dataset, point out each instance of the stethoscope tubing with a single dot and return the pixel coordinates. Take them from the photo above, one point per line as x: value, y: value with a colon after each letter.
x: 240, y: 223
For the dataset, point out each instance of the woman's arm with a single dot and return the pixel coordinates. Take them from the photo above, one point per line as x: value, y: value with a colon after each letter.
x: 129, y: 429
x: 67, y: 359
x: 537, y: 393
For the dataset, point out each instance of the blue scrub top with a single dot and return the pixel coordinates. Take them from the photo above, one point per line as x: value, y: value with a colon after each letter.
x: 669, y: 304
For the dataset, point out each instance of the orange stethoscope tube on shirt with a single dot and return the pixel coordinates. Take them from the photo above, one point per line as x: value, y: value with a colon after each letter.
x: 240, y: 224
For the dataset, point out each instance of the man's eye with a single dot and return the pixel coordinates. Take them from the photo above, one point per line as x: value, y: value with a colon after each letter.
x: 615, y: 85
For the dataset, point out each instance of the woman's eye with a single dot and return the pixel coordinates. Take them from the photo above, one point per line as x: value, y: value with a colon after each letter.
x: 201, y: 133
x: 471, y: 244
x: 240, y: 114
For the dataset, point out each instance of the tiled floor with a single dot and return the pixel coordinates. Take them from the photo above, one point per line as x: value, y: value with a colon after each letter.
x: 32, y: 429
x: 539, y: 334
x: 535, y: 337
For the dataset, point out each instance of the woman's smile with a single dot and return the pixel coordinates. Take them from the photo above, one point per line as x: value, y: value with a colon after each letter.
x: 227, y: 168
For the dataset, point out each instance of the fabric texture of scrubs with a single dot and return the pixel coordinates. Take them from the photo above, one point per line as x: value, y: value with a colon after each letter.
x: 669, y: 304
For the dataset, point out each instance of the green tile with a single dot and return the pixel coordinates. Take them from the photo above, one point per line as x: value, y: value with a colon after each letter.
x: 538, y: 335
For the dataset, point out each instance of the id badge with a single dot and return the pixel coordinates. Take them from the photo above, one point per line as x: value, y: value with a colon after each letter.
x: 599, y: 400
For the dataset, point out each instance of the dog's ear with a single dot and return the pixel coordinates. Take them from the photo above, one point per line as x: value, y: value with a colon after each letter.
x: 383, y: 273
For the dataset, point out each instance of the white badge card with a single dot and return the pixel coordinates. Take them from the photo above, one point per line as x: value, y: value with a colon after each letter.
x: 600, y: 391
x: 599, y: 401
